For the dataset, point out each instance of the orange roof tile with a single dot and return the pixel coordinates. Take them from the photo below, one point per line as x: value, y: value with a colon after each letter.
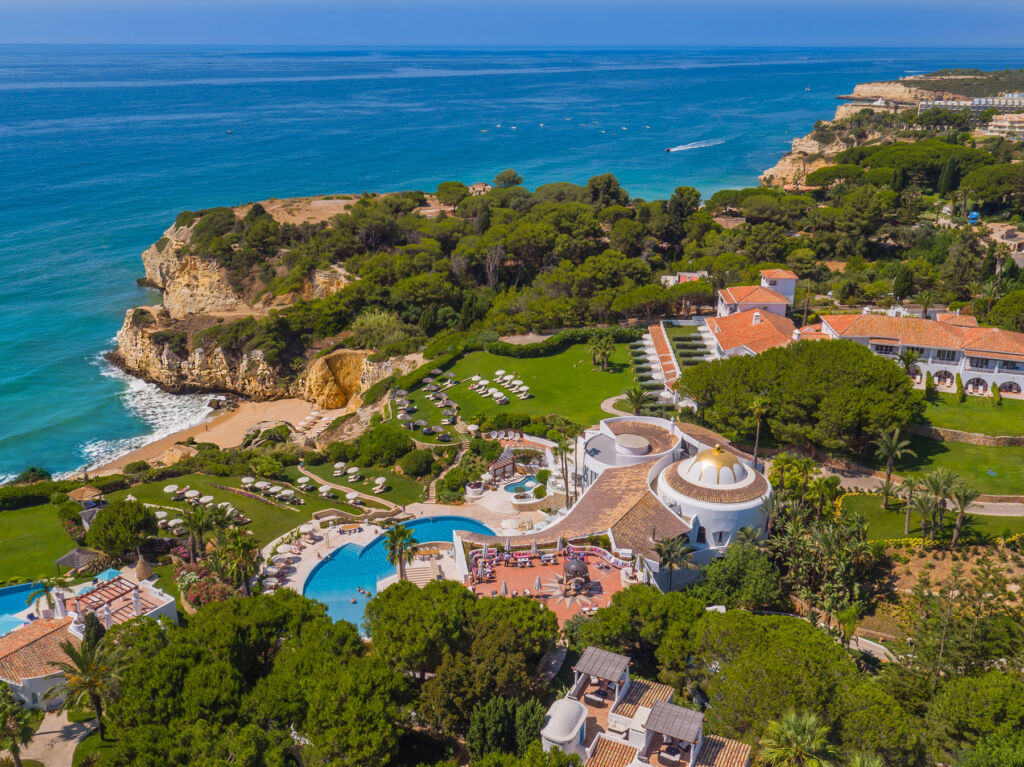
x: 914, y: 331
x: 27, y: 652
x: 739, y: 329
x: 778, y: 274
x: 722, y: 752
x: 611, y: 753
x: 963, y: 320
x: 643, y: 693
x: 751, y: 294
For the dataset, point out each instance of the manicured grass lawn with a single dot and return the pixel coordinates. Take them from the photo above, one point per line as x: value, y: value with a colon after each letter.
x: 30, y: 540
x: 889, y: 524
x: 995, y: 470
x: 976, y: 414
x: 400, y: 489
x: 268, y: 520
x: 90, y: 744
x: 165, y: 581
x: 565, y: 383
x: 680, y: 331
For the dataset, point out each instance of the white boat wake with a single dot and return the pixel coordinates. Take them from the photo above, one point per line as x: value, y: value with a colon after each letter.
x: 696, y: 145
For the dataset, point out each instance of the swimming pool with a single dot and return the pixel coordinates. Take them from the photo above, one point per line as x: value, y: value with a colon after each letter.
x: 335, y: 580
x: 523, y: 485
x: 12, y: 600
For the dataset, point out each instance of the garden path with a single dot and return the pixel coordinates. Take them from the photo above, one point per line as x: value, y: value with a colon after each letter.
x: 55, y: 740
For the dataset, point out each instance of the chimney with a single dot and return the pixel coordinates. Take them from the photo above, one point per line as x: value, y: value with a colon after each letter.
x: 756, y: 318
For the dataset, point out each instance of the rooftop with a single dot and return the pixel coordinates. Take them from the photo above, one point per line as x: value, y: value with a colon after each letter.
x: 27, y: 652
x: 751, y: 294
x: 722, y: 752
x: 603, y: 664
x: 740, y: 493
x: 117, y: 593
x: 611, y: 753
x: 913, y: 331
x: 661, y: 439
x: 643, y: 694
x: 675, y: 721
x: 85, y: 493
x: 755, y: 329
x: 778, y: 274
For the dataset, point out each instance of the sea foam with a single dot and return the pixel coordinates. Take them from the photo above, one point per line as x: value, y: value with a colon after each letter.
x: 698, y: 144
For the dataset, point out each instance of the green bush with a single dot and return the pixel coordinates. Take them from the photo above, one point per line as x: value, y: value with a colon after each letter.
x: 418, y: 463
x: 560, y: 341
x: 543, y: 476
x: 540, y: 491
x: 651, y: 385
x: 378, y: 390
x: 185, y: 218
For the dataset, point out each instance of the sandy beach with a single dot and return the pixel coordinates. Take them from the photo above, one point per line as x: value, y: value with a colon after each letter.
x: 223, y: 429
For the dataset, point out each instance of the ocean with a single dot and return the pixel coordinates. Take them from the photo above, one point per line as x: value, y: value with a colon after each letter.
x: 100, y: 147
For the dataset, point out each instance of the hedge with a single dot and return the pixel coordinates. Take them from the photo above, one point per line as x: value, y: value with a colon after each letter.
x: 652, y: 385
x: 20, y: 496
x: 560, y: 341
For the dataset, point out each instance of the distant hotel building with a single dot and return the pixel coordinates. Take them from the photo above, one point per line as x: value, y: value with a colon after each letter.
x: 1007, y: 125
x: 1008, y: 102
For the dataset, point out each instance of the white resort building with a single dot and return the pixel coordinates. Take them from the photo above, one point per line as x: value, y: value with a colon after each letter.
x: 611, y: 720
x: 949, y: 344
x: 774, y: 294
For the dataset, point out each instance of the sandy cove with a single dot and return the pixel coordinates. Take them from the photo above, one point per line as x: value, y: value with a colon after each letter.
x: 224, y: 429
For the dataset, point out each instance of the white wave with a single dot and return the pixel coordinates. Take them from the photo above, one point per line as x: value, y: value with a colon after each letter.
x: 162, y: 412
x: 698, y: 145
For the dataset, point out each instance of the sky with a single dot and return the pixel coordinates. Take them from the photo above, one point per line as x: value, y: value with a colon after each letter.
x: 550, y: 23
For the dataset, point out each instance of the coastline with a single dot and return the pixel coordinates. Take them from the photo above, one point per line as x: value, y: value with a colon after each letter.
x: 222, y: 429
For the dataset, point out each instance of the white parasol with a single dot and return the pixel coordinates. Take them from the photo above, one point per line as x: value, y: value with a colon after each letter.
x: 160, y: 514
x: 339, y: 465
x: 284, y: 548
x: 171, y: 489
x: 303, y: 480
x: 206, y: 499
x: 192, y: 494
x: 248, y: 480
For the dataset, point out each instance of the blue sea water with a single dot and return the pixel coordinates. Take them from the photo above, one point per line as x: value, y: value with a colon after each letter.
x: 335, y: 580
x: 101, y: 146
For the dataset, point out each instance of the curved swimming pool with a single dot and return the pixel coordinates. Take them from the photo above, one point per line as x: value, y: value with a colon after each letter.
x: 335, y: 580
x: 523, y: 486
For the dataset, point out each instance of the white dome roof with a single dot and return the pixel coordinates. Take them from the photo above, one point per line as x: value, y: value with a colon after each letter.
x: 713, y: 468
x: 565, y: 717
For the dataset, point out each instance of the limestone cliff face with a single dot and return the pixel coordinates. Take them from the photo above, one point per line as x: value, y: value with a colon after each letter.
x: 153, y: 358
x: 335, y: 380
x: 893, y: 91
x: 807, y: 155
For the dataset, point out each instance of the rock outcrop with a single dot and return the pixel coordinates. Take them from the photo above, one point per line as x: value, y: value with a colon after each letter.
x: 807, y: 154
x: 336, y: 379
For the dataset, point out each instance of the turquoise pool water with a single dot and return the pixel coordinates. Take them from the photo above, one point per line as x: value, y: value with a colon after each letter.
x: 335, y: 580
x: 522, y: 486
x: 12, y: 600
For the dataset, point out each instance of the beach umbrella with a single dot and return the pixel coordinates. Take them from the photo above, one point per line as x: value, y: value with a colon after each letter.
x: 475, y: 378
x: 504, y: 588
x: 381, y: 480
x: 404, y: 417
x: 192, y: 494
x: 430, y: 387
x: 428, y: 380
x: 508, y: 544
x: 402, y: 393
x: 160, y: 514
x: 271, y: 571
x: 248, y: 480
x: 473, y: 428
x: 282, y: 558
x: 261, y: 485
x: 524, y: 388
x: 498, y: 373
x: 171, y: 489
x: 536, y: 584
x: 284, y: 548
x: 271, y: 583
x: 325, y: 489
x: 558, y: 544
x: 288, y: 492
x: 448, y: 413
x: 517, y: 382
x: 353, y: 470
x: 436, y: 372
x: 274, y: 490
x: 421, y: 422
x: 303, y: 480
x: 176, y: 522
x: 314, y: 412
x: 484, y: 382
x: 206, y: 499
x: 339, y: 465
x: 351, y: 496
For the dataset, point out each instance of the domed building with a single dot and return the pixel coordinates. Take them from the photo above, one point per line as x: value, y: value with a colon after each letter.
x: 717, y: 493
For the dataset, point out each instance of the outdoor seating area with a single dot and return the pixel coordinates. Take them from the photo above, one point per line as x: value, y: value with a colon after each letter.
x: 273, y: 491
x: 314, y: 424
x: 501, y: 389
x: 196, y: 499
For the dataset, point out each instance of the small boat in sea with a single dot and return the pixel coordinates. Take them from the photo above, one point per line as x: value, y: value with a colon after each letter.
x: 229, y: 131
x: 808, y: 88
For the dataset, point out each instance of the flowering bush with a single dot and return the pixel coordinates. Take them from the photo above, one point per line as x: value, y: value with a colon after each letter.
x: 182, y: 552
x: 188, y: 574
x: 75, y: 530
x: 207, y: 590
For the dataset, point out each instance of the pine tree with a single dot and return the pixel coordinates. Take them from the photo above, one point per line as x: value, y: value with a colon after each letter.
x: 949, y: 178
x: 961, y: 395
x: 929, y: 387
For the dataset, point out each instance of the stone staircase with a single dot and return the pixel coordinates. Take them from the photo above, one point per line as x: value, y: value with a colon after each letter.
x: 432, y: 489
x: 422, y: 573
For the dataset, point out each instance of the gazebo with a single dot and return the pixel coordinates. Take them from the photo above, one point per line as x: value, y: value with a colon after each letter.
x: 87, y: 496
x: 504, y: 467
x: 76, y: 558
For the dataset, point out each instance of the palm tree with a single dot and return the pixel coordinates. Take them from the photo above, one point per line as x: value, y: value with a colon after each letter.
x: 748, y: 536
x: 924, y: 506
x: 91, y: 677
x: 601, y: 347
x: 198, y: 523
x: 909, y: 359
x: 562, y: 450
x: 238, y: 559
x: 865, y: 760
x: 907, y: 492
x: 16, y: 724
x: 806, y: 467
x: 672, y: 553
x: 888, y: 489
x: 759, y: 405
x: 399, y: 545
x: 926, y: 298
x: 798, y: 739
x: 822, y: 492
x: 636, y: 398
x: 772, y: 508
x: 939, y: 483
x: 44, y: 590
x: 963, y: 497
x: 891, y: 448
x: 781, y: 463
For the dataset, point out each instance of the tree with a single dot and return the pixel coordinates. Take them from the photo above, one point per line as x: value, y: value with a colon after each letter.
x: 963, y: 496
x: 492, y: 727
x: 507, y: 178
x: 968, y: 708
x: 673, y: 553
x: 909, y: 359
x: 994, y: 751
x: 452, y: 192
x: 903, y: 282
x: 908, y: 490
x: 887, y: 488
x: 16, y: 724
x: 637, y: 399
x: 798, y: 739
x: 684, y: 202
x: 44, y: 590
x: 601, y: 347
x: 417, y: 463
x: 760, y: 405
x: 530, y: 718
x: 198, y: 522
x: 91, y: 677
x: 997, y: 397
x: 121, y: 527
x: 605, y: 191
x: 400, y: 545
x: 1008, y: 311
x: 745, y: 578
x: 891, y: 447
x: 929, y: 387
x: 926, y: 299
x: 949, y: 178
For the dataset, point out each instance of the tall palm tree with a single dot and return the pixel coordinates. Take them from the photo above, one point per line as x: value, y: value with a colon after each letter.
x: 636, y: 398
x: 891, y: 447
x: 561, y: 450
x: 798, y: 739
x: 909, y: 359
x: 924, y: 506
x: 939, y: 483
x: 807, y: 467
x: 198, y: 523
x: 672, y: 553
x: 865, y: 760
x: 399, y: 545
x: 16, y: 725
x: 963, y: 497
x: 782, y: 463
x: 822, y: 492
x: 907, y: 491
x: 238, y: 558
x: 759, y: 406
x: 926, y: 298
x: 888, y: 489
x: 92, y: 677
x: 43, y: 590
x: 772, y: 508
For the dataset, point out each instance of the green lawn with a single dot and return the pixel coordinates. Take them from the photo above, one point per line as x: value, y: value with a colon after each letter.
x: 90, y: 744
x: 675, y: 332
x: 30, y: 540
x: 889, y: 524
x: 400, y: 489
x: 995, y: 470
x: 976, y: 414
x: 565, y: 383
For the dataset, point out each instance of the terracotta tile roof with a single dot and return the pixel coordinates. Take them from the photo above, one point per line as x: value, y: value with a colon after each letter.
x: 665, y: 355
x: 739, y: 329
x: 707, y: 437
x: 611, y: 753
x: 85, y: 493
x: 778, y: 274
x: 913, y: 331
x: 724, y: 494
x: 751, y: 294
x: 28, y: 651
x: 962, y: 320
x: 723, y: 752
x: 634, y: 529
x: 642, y: 692
x: 662, y: 440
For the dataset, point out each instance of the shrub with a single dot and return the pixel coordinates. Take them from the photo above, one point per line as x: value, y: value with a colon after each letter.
x: 997, y: 397
x: 961, y: 395
x: 185, y: 218
x: 418, y: 463
x: 141, y: 318
x: 543, y: 476
x: 540, y: 491
x: 929, y: 387
x: 378, y: 390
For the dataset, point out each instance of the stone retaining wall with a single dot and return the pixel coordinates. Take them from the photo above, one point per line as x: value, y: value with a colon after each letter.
x: 971, y: 438
x: 549, y: 501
